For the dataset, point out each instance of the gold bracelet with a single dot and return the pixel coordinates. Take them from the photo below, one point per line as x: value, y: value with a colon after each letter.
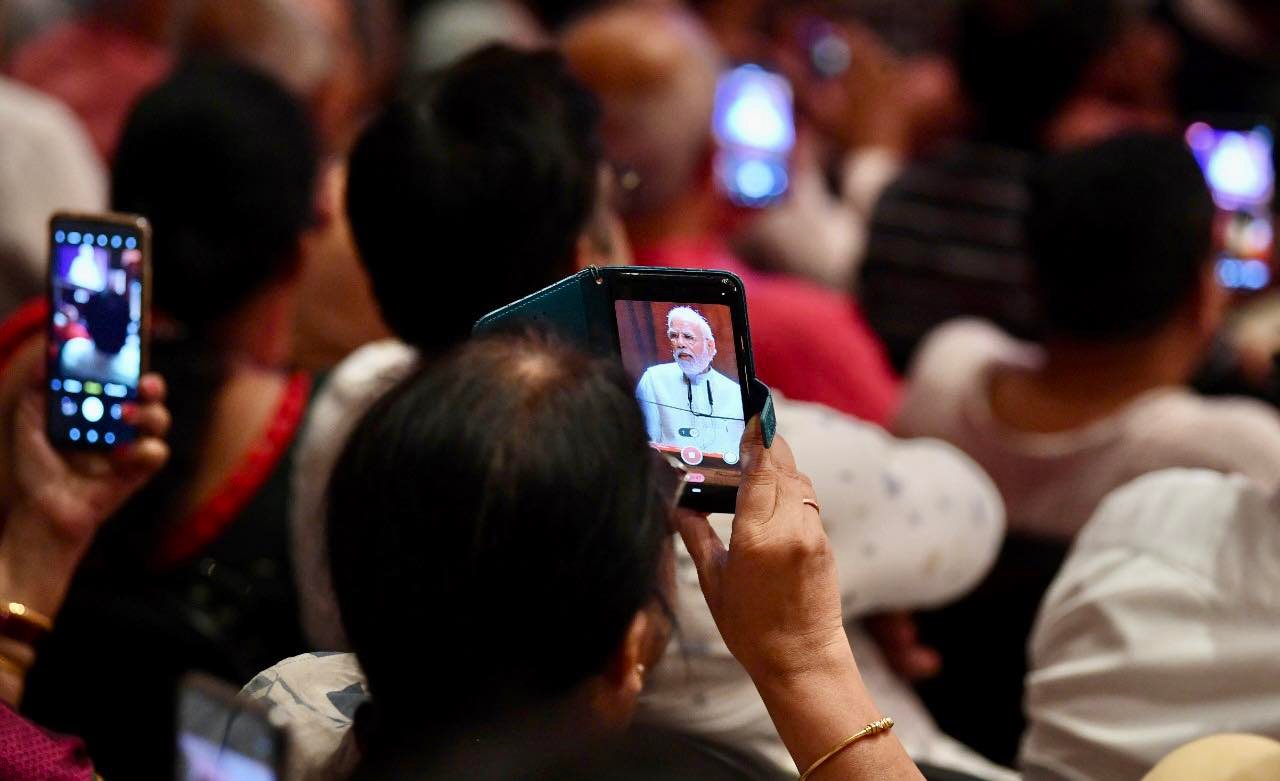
x: 13, y: 666
x: 874, y: 728
x: 21, y: 623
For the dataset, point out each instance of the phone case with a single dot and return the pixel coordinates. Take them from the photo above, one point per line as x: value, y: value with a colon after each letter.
x: 579, y: 309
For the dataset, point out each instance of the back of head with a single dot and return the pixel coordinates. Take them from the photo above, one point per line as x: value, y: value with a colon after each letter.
x: 221, y: 160
x: 1119, y: 236
x: 471, y: 190
x: 655, y: 69
x: 495, y: 523
x: 1019, y: 61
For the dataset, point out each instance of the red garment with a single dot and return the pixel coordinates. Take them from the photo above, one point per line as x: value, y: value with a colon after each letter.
x: 98, y: 70
x: 206, y: 522
x: 810, y: 343
x: 26, y: 751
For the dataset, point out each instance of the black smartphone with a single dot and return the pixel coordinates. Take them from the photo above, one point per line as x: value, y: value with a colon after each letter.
x: 685, y: 340
x: 1238, y: 160
x: 99, y: 282
x: 223, y: 737
x: 684, y: 337
x: 754, y: 128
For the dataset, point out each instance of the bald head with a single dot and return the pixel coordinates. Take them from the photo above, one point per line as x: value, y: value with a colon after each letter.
x: 654, y: 68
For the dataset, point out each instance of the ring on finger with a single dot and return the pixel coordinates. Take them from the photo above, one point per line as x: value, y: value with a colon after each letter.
x: 812, y: 503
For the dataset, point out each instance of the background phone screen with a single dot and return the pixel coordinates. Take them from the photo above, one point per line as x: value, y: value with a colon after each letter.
x: 218, y: 741
x: 754, y: 125
x: 684, y: 362
x: 95, y: 330
x: 1239, y: 167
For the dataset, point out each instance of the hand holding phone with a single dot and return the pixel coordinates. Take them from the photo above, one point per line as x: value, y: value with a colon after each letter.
x: 99, y: 274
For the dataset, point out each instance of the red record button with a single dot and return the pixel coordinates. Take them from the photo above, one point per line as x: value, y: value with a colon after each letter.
x: 691, y: 455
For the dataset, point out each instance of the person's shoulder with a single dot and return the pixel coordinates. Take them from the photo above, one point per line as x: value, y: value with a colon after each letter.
x: 1227, y: 433
x: 966, y: 344
x: 369, y: 369
x: 948, y: 366
x: 661, y: 372
x: 1181, y: 516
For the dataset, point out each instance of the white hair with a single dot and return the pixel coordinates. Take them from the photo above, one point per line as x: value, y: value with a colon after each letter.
x: 688, y: 313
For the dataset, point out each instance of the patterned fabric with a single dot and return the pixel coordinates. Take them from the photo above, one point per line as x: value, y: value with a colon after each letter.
x: 317, y: 695
x: 28, y: 752
x: 945, y: 242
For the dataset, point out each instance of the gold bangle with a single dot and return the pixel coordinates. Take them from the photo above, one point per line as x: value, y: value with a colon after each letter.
x: 21, y: 623
x: 21, y: 611
x: 13, y: 666
x: 874, y: 728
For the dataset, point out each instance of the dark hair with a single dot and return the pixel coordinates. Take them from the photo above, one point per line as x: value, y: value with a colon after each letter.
x: 502, y: 494
x: 471, y: 189
x: 1020, y: 60
x: 221, y: 160
x: 1119, y: 234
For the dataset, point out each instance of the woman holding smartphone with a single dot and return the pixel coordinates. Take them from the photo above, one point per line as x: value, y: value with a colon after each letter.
x: 500, y: 534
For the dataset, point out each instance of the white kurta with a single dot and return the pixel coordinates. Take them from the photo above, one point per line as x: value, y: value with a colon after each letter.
x: 705, y: 412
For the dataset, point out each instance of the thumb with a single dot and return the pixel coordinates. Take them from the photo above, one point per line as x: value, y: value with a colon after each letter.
x: 704, y: 546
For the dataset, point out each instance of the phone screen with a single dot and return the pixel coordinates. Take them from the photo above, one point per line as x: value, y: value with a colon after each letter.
x: 1238, y: 165
x: 96, y: 329
x: 688, y: 382
x: 754, y: 126
x: 223, y: 739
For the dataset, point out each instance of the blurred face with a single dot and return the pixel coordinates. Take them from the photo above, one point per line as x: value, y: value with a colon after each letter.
x: 692, y: 346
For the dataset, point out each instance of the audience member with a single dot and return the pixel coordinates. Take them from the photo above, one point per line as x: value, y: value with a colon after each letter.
x: 1159, y: 630
x: 946, y: 238
x: 873, y: 486
x: 100, y: 61
x: 46, y: 163
x: 1121, y: 242
x: 194, y: 570
x: 1120, y: 236
x: 658, y: 92
x: 593, y: 571
x: 57, y: 505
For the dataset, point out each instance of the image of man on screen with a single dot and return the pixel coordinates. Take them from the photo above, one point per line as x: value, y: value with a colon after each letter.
x: 687, y: 403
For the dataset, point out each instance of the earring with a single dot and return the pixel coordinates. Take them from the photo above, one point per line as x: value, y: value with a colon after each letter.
x: 640, y: 668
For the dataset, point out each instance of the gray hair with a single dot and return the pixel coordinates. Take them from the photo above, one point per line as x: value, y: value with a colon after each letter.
x: 688, y: 313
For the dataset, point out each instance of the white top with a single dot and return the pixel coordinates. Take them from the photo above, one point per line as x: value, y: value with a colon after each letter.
x: 913, y: 525
x: 1163, y: 627
x: 351, y: 389
x: 1052, y: 483
x: 47, y: 163
x: 705, y: 411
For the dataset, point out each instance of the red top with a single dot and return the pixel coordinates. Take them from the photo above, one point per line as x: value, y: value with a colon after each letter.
x: 810, y: 343
x: 98, y: 70
x: 26, y: 751
x: 206, y: 522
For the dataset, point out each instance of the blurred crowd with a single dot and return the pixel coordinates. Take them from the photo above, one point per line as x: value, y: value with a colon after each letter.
x: 1023, y: 493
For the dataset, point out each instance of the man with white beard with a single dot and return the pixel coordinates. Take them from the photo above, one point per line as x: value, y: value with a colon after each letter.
x: 687, y: 403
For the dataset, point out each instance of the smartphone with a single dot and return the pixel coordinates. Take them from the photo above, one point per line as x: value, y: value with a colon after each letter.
x: 223, y: 737
x: 684, y: 338
x: 1239, y: 165
x: 99, y: 278
x: 754, y: 127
